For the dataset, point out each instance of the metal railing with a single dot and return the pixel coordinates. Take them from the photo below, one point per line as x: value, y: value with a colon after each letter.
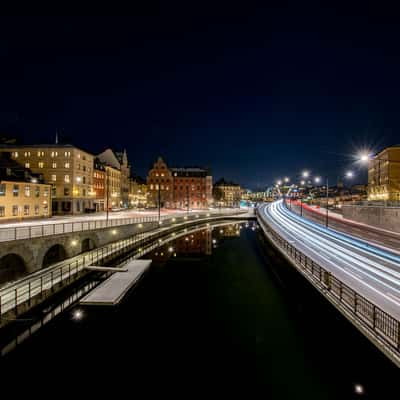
x: 36, y: 231
x: 369, y: 316
x: 18, y: 296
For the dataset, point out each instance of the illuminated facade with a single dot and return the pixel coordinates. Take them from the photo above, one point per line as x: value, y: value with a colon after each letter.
x: 68, y: 169
x: 384, y: 175
x: 227, y: 194
x: 179, y: 187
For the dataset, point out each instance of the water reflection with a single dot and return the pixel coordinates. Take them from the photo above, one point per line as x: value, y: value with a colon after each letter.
x: 199, y: 244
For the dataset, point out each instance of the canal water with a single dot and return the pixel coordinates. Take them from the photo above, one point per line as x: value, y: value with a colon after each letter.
x: 219, y: 313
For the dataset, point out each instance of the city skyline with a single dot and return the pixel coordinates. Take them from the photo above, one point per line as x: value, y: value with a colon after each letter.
x: 278, y: 89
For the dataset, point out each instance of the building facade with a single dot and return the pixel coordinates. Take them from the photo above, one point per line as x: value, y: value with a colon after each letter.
x: 99, y: 185
x: 384, y: 175
x: 118, y: 161
x: 138, y: 193
x: 112, y: 195
x: 179, y: 188
x: 23, y: 195
x: 68, y: 169
x: 227, y: 194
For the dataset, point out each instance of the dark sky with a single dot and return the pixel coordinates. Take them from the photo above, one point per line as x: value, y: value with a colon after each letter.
x: 254, y: 92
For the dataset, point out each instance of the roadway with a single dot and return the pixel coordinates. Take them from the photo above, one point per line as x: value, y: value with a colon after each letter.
x: 380, y: 237
x: 371, y: 271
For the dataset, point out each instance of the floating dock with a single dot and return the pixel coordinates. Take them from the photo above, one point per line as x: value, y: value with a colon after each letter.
x: 113, y: 289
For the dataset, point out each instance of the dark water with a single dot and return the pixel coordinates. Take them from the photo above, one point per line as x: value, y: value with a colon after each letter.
x: 230, y: 318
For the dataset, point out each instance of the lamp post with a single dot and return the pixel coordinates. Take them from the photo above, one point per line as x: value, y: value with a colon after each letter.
x: 107, y: 193
x: 159, y: 203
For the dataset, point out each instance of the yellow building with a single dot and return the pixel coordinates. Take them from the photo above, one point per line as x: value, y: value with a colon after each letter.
x: 112, y: 195
x: 22, y: 194
x: 384, y: 175
x: 227, y: 194
x: 138, y: 193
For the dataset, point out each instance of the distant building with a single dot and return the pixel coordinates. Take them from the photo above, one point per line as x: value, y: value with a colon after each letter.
x: 181, y: 188
x: 22, y: 193
x: 227, y: 194
x: 138, y: 193
x: 384, y: 175
x: 68, y: 169
x: 118, y: 161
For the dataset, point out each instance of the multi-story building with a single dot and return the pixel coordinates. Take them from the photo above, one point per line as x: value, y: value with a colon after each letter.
x: 227, y: 194
x: 138, y: 193
x: 22, y: 193
x: 68, y: 169
x: 112, y: 193
x: 179, y: 187
x: 384, y: 175
x: 99, y: 185
x: 118, y: 161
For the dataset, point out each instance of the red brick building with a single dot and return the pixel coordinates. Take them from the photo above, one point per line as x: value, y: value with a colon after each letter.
x: 99, y: 184
x: 179, y: 188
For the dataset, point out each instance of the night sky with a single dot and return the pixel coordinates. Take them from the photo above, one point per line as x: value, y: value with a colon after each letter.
x: 256, y: 93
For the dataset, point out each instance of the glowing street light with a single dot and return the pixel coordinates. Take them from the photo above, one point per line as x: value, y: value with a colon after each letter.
x: 287, y: 179
x: 305, y: 174
x: 279, y: 182
x: 349, y: 174
x: 317, y: 179
x: 303, y: 182
x: 364, y: 157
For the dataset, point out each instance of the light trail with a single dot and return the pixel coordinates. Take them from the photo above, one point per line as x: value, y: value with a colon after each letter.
x: 372, y: 272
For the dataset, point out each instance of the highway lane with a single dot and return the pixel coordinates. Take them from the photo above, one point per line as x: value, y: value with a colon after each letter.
x: 371, y: 271
x: 377, y: 236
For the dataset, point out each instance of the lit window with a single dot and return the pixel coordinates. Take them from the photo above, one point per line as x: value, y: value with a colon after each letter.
x: 54, y: 165
x: 79, y: 156
x: 52, y: 154
x: 37, y: 191
x: 54, y: 177
x: 36, y: 209
x: 2, y: 189
x: 27, y: 191
x: 15, y: 190
x: 27, y: 165
x: 27, y: 154
x: 41, y: 164
x: 26, y: 210
x: 66, y: 178
x: 16, y: 154
x: 66, y: 165
x: 46, y: 191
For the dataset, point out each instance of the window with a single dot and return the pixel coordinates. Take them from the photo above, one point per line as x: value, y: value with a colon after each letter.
x: 16, y: 154
x: 84, y: 179
x: 53, y: 191
x: 66, y: 191
x: 45, y: 209
x: 54, y: 177
x: 37, y: 191
x: 27, y: 154
x: 84, y: 192
x: 54, y: 165
x: 37, y: 209
x: 67, y: 154
x: 27, y: 191
x: 83, y: 157
x: 27, y: 165
x: 41, y: 164
x: 151, y: 187
x: 45, y: 191
x: 2, y: 189
x: 78, y: 155
x: 66, y: 178
x: 84, y: 167
x: 2, y: 211
x: 40, y: 153
x: 15, y: 190
x: 26, y: 210
x: 14, y: 211
x: 66, y: 165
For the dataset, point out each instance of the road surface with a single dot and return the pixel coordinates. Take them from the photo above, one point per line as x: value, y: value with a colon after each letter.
x: 369, y: 270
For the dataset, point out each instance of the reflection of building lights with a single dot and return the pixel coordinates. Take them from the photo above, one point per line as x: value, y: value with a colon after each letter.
x: 221, y: 231
x: 78, y: 179
x: 359, y: 389
x: 77, y: 315
x: 170, y: 249
x: 173, y: 219
x: 160, y: 222
x: 140, y: 225
x: 197, y: 216
x: 208, y: 215
x: 74, y: 242
x: 187, y: 239
x: 114, y: 231
x: 185, y: 217
x: 214, y: 241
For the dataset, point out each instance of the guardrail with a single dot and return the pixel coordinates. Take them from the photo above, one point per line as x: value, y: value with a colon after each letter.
x: 18, y: 296
x: 368, y: 316
x: 36, y: 231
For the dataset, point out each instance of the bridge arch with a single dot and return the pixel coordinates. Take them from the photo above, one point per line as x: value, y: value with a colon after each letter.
x: 54, y: 254
x: 12, y: 267
x: 88, y: 244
